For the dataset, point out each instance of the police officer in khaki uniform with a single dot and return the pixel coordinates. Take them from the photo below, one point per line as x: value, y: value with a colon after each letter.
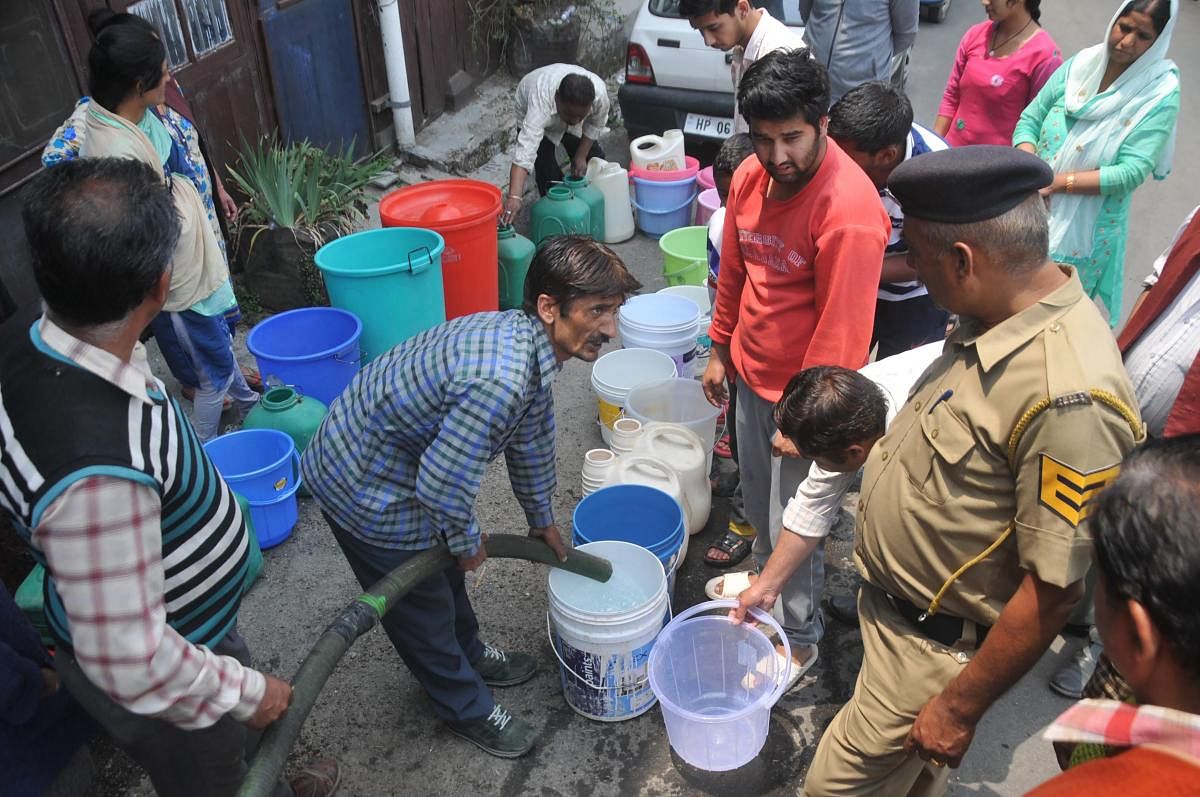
x: 968, y: 531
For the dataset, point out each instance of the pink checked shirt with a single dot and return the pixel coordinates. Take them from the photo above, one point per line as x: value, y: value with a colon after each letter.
x: 102, y: 541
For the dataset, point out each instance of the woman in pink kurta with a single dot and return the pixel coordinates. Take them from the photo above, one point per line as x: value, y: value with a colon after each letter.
x: 1000, y: 67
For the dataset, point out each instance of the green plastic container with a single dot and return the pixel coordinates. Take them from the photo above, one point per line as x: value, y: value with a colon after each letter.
x: 516, y: 253
x: 256, y: 557
x: 285, y: 409
x: 593, y: 199
x: 30, y: 600
x: 685, y: 256
x: 559, y: 213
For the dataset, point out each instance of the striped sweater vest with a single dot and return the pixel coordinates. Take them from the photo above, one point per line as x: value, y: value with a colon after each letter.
x: 60, y: 423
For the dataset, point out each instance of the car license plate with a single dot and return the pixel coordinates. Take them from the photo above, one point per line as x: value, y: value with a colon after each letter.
x: 698, y: 124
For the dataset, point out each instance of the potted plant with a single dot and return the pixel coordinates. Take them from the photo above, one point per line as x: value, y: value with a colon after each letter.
x: 298, y: 197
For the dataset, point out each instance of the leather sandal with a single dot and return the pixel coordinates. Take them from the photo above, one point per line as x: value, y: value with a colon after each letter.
x: 735, y: 546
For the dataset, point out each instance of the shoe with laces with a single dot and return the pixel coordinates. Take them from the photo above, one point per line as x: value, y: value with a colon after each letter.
x: 498, y: 668
x: 1070, y: 679
x: 499, y: 733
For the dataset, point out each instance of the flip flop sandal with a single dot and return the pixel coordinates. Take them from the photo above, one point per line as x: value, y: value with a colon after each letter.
x: 766, y: 669
x: 721, y: 447
x: 253, y: 379
x: 728, y: 586
x: 735, y: 546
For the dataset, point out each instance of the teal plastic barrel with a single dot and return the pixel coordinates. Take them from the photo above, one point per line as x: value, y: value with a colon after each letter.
x: 390, y: 278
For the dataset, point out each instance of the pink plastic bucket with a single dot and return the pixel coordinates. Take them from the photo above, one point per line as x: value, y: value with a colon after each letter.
x: 693, y: 166
x: 705, y: 179
x: 707, y: 204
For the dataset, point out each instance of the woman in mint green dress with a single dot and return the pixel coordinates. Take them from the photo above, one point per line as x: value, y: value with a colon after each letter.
x: 1105, y: 121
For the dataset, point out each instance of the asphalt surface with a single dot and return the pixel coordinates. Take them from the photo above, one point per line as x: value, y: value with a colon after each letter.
x: 376, y: 720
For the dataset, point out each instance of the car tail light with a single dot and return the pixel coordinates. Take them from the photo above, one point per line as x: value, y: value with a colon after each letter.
x: 637, y: 66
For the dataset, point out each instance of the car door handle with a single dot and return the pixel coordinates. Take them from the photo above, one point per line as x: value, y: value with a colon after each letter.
x: 669, y: 43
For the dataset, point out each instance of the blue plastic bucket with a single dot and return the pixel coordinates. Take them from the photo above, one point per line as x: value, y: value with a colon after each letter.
x: 635, y: 513
x: 314, y: 349
x: 260, y: 464
x: 275, y: 519
x: 390, y: 278
x: 663, y: 205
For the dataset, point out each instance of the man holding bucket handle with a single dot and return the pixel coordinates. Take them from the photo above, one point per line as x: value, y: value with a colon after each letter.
x: 800, y: 261
x: 398, y: 461
x: 145, y: 549
x: 552, y: 101
x: 968, y: 532
x: 832, y: 416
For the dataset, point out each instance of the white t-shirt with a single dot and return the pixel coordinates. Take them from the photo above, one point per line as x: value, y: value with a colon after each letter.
x: 769, y: 35
x: 813, y: 509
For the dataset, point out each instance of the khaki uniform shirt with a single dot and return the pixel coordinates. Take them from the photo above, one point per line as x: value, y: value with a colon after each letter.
x: 938, y: 489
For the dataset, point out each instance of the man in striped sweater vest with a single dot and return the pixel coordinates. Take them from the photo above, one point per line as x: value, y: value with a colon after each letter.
x: 144, y: 545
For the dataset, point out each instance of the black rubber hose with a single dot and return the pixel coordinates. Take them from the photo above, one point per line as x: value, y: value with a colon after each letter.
x: 363, y: 613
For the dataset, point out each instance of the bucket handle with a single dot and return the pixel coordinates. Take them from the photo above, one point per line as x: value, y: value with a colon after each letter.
x: 654, y: 211
x: 567, y: 668
x: 419, y: 267
x: 562, y: 227
x: 690, y: 264
x: 761, y: 617
x: 645, y: 465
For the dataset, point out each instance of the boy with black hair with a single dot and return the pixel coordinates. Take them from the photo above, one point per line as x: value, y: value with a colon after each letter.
x: 874, y: 124
x: 558, y: 103
x: 746, y: 32
x: 803, y: 242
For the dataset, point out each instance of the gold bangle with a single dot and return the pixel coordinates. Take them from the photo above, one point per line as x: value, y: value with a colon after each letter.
x: 1071, y: 183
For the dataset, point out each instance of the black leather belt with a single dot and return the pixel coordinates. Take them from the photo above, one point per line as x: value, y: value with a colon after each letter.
x: 944, y: 629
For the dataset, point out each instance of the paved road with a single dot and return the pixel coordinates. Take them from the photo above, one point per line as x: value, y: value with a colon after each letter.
x: 1158, y: 207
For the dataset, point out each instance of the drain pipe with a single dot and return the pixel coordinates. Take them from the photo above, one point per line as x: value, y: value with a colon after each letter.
x: 397, y: 73
x: 360, y: 616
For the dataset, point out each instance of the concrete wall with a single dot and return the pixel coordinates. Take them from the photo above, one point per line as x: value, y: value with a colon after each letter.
x: 602, y: 46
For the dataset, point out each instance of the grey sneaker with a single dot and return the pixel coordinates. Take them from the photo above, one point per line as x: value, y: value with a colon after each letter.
x: 1069, y: 679
x: 499, y: 733
x: 498, y: 668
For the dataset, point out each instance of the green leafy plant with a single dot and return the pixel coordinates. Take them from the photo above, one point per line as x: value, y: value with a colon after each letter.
x: 316, y: 194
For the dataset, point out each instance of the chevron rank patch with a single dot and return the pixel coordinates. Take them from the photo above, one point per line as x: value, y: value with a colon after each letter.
x: 1067, y: 492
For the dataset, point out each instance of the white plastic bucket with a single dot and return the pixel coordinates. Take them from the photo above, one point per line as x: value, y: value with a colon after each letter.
x: 666, y: 323
x: 678, y: 401
x: 716, y: 681
x: 620, y: 371
x: 602, y: 634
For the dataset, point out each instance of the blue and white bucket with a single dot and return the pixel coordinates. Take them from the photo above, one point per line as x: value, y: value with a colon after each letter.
x: 602, y: 634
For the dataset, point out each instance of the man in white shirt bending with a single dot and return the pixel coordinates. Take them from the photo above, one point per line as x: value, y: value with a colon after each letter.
x: 746, y: 32
x: 556, y: 104
x: 833, y: 416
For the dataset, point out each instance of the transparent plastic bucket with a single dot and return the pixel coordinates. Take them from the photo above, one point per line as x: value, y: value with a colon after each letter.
x: 716, y: 681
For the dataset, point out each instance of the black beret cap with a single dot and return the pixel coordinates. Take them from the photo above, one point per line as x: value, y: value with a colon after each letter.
x: 961, y: 185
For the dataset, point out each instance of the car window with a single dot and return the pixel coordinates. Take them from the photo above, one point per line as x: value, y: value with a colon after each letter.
x: 776, y: 8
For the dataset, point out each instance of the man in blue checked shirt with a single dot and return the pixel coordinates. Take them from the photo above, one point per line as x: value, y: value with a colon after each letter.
x: 397, y: 463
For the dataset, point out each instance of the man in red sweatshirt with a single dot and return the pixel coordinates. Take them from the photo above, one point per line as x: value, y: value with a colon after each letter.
x: 803, y: 243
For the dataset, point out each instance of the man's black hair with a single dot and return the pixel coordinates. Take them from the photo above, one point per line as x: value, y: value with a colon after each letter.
x: 577, y: 90
x: 734, y: 150
x: 826, y: 409
x: 125, y: 58
x: 568, y: 267
x: 872, y: 116
x: 784, y: 84
x: 101, y: 231
x: 1146, y: 538
x: 689, y: 9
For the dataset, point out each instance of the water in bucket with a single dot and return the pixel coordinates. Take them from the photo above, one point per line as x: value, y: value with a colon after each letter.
x: 603, y: 634
x: 716, y: 681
